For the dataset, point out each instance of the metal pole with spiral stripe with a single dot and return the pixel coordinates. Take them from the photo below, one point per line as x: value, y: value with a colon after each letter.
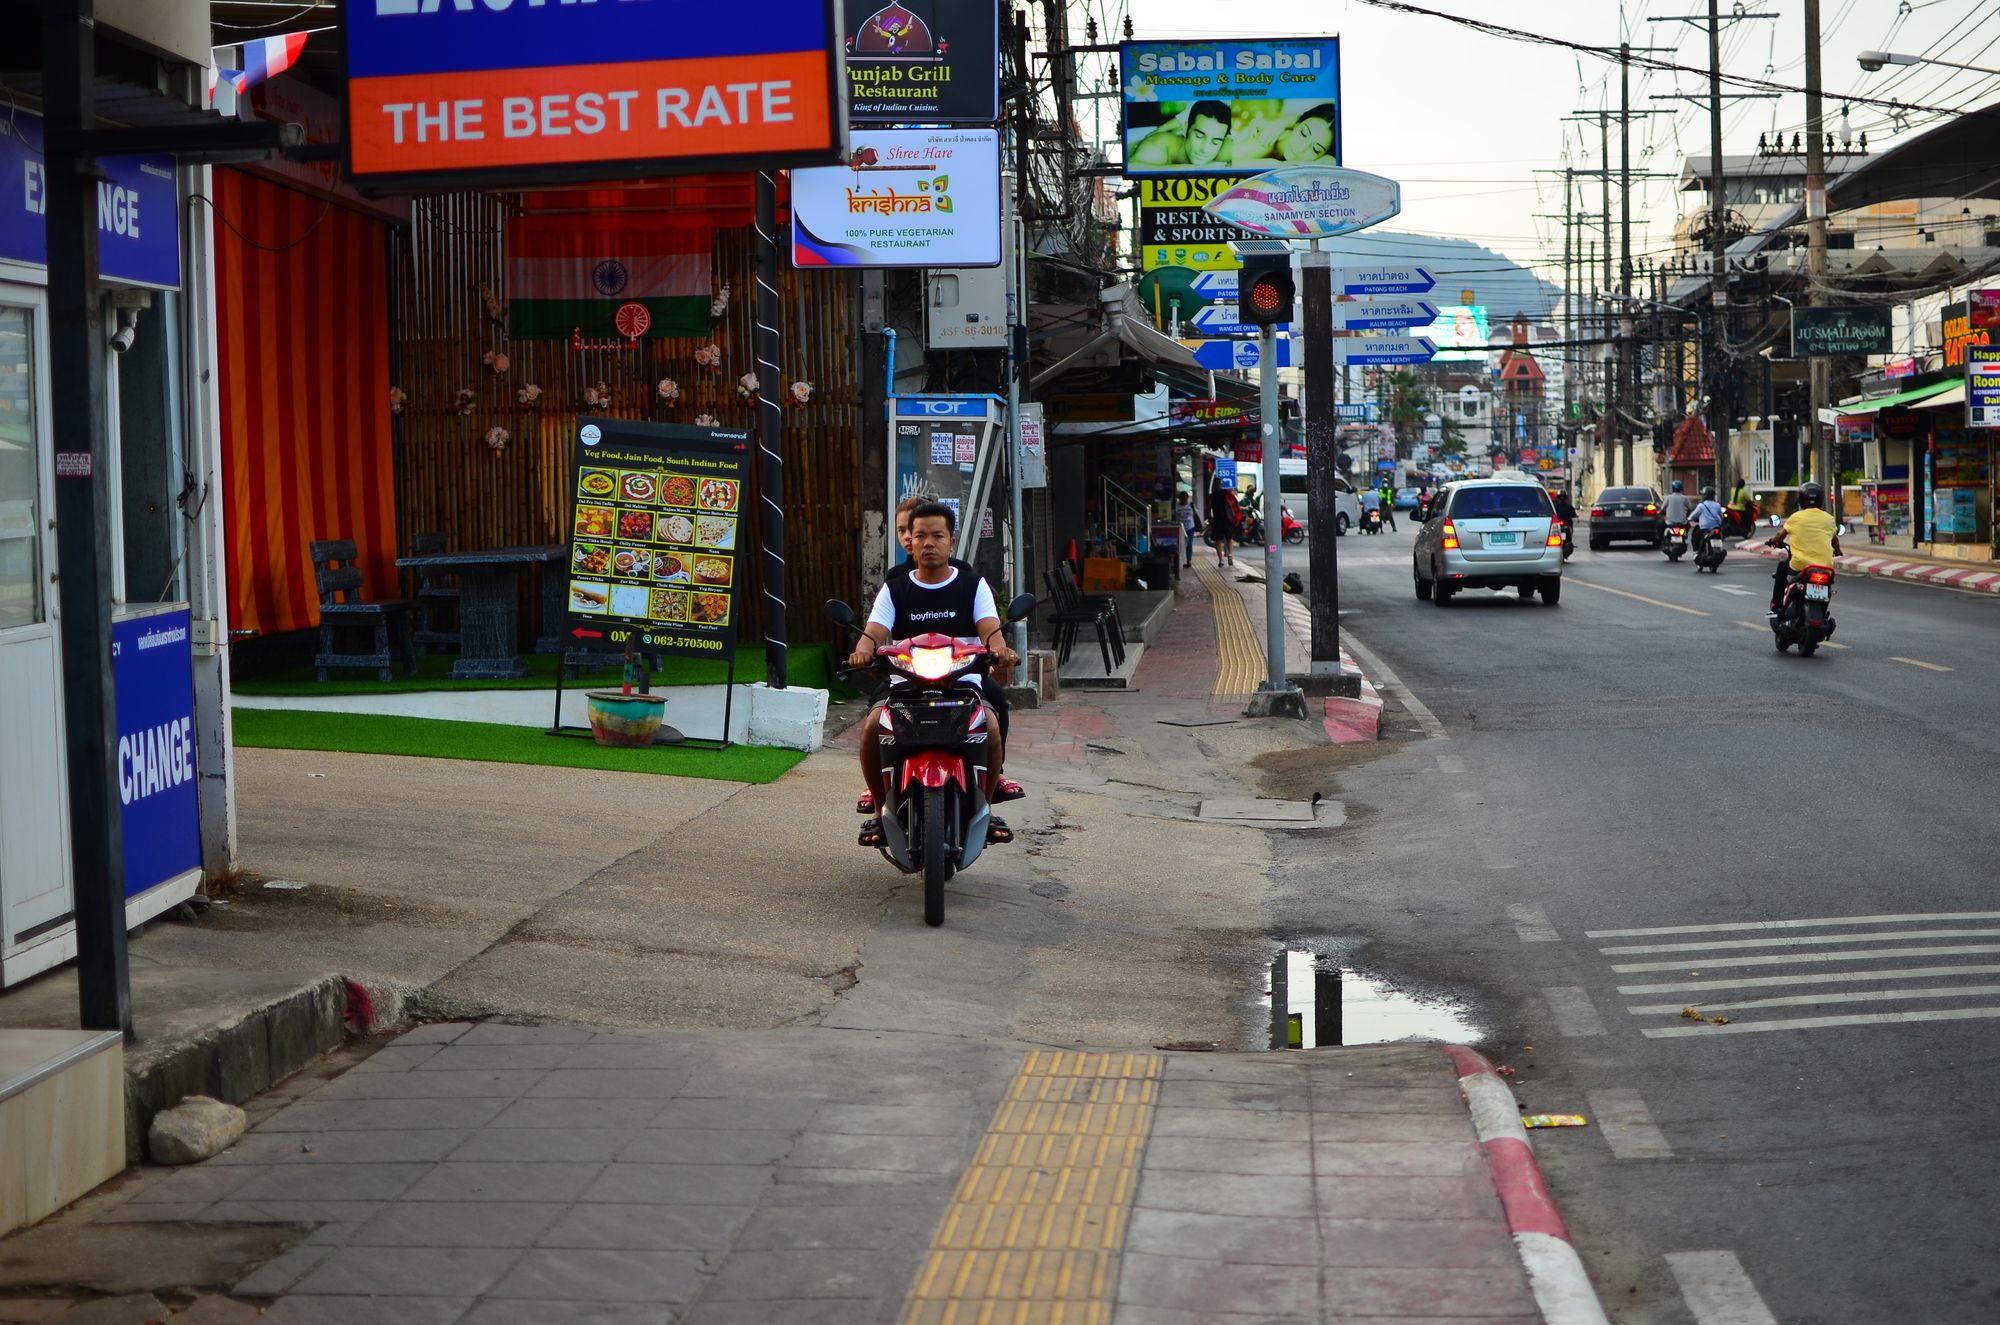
x: 770, y: 462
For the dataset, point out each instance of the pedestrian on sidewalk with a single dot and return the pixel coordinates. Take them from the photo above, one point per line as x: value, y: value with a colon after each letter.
x: 1223, y: 514
x: 1189, y: 522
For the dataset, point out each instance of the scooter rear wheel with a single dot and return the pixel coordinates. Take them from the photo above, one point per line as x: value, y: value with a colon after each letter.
x: 937, y: 862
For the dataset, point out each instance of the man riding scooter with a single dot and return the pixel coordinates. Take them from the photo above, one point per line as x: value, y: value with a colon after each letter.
x: 942, y: 597
x: 1813, y: 537
x: 1707, y: 520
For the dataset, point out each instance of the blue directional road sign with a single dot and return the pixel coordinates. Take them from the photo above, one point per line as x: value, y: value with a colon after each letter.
x: 1216, y: 320
x: 1363, y: 412
x: 1384, y: 349
x: 1393, y: 279
x: 1216, y: 283
x: 1240, y: 355
x: 1384, y: 315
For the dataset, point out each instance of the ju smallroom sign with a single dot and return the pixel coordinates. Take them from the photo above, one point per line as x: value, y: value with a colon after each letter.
x: 501, y: 91
x: 656, y: 530
x: 1826, y: 332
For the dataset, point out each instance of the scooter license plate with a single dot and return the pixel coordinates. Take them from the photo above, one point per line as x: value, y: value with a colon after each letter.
x: 1819, y: 592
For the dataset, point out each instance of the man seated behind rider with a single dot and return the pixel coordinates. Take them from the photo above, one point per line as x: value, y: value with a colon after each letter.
x: 935, y: 597
x: 1813, y: 536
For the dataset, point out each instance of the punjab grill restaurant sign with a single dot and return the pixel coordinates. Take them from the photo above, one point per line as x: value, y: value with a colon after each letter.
x: 1826, y: 332
x: 923, y: 61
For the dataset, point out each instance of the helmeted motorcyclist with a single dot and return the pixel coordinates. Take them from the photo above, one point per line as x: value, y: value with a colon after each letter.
x: 1813, y: 537
x: 1677, y: 505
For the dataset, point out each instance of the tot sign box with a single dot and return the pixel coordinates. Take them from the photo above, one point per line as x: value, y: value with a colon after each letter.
x: 502, y: 91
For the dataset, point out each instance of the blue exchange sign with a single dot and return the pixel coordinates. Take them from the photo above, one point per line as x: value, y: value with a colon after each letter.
x: 158, y: 786
x: 138, y: 209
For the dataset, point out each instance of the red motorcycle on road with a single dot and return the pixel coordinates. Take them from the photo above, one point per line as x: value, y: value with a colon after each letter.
x: 1805, y: 614
x: 933, y: 740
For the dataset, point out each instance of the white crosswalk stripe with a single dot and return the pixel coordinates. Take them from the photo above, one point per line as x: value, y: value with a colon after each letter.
x: 1782, y: 982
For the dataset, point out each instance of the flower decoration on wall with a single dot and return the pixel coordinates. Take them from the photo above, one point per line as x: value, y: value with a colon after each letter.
x: 746, y: 386
x: 488, y: 298
x: 598, y: 396
x: 705, y: 421
x: 464, y: 401
x: 719, y: 306
x: 670, y: 390
x: 529, y: 395
x: 802, y: 392
x: 709, y: 355
x: 396, y: 400
x: 497, y: 438
x: 497, y: 361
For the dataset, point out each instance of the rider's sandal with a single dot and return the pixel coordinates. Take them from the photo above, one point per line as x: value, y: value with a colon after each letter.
x: 865, y: 803
x: 997, y: 831
x: 871, y: 833
x: 1008, y: 790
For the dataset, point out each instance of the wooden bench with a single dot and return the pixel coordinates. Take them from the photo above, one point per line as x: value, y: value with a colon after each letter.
x: 341, y: 607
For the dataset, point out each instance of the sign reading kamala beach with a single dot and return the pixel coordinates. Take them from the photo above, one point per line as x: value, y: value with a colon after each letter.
x: 923, y: 61
x: 1308, y: 202
x: 1230, y: 107
x: 906, y: 198
x: 506, y: 91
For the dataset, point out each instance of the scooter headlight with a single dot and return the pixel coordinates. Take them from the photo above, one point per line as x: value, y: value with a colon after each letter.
x: 931, y: 664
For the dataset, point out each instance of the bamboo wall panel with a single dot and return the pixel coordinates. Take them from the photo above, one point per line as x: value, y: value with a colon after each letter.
x: 450, y: 481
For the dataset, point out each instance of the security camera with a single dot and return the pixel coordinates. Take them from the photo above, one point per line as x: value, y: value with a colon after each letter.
x: 128, y: 330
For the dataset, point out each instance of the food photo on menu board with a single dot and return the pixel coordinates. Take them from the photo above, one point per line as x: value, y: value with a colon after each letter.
x: 654, y: 526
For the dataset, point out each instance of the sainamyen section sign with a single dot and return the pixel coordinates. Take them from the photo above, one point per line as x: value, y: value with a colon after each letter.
x: 512, y: 90
x: 1230, y: 107
x: 1308, y: 202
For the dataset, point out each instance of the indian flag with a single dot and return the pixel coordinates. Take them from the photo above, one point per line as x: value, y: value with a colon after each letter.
x: 606, y: 276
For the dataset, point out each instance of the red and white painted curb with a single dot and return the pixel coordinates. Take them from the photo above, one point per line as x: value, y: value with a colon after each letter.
x: 1555, y: 1272
x: 1970, y: 577
x: 1349, y: 720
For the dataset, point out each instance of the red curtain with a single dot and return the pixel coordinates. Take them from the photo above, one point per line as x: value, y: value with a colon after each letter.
x: 302, y: 302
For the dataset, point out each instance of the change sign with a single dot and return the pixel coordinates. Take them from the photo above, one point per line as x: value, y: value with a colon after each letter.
x: 1826, y: 332
x: 456, y: 93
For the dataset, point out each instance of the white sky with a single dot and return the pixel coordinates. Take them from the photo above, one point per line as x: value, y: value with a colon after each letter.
x: 1463, y: 119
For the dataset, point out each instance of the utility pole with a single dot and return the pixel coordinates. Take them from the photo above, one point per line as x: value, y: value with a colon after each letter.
x: 1719, y: 376
x: 1818, y: 368
x: 1322, y: 458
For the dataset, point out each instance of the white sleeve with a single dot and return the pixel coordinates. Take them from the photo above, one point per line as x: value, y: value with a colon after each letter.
x: 883, y: 613
x: 983, y: 605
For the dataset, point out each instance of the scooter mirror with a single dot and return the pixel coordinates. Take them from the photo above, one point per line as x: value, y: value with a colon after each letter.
x: 839, y: 613
x: 1021, y: 608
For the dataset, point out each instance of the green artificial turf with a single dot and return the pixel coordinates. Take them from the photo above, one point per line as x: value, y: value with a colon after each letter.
x: 434, y: 738
x: 810, y: 666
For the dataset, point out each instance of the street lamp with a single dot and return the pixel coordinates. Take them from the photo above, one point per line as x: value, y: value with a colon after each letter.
x: 1874, y: 60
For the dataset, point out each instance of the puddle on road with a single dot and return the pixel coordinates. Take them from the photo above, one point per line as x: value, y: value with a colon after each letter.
x: 1316, y: 1003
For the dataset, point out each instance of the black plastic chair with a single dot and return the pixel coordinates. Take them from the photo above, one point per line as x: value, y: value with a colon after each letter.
x: 437, y: 592
x: 1068, y: 616
x: 341, y: 607
x: 1102, y: 602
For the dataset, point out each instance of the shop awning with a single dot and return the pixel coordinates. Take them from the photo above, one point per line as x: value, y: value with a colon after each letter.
x: 1954, y: 397
x: 1914, y: 396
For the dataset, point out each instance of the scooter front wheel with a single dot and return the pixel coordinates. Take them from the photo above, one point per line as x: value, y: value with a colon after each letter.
x: 937, y: 861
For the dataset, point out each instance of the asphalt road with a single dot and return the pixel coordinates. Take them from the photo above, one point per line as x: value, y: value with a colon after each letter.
x: 1640, y: 758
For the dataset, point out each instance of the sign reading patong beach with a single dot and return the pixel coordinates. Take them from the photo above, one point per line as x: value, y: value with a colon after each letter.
x: 1230, y: 107
x: 453, y: 92
x: 1308, y: 202
x: 906, y: 198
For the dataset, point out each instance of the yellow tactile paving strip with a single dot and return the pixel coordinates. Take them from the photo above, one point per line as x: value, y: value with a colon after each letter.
x: 1035, y: 1227
x: 1242, y: 660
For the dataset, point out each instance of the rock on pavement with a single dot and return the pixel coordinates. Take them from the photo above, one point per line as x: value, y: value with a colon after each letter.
x: 193, y: 1130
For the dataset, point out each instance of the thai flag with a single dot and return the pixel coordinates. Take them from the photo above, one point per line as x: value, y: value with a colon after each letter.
x: 266, y: 58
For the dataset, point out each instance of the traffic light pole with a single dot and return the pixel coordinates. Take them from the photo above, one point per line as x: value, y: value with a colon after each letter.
x: 1322, y: 461
x: 1274, y: 532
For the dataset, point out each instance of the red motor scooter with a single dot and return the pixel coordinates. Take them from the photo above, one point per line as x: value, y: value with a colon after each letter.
x: 1293, y: 531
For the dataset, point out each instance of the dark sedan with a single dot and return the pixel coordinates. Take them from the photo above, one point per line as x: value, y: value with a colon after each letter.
x: 1625, y: 515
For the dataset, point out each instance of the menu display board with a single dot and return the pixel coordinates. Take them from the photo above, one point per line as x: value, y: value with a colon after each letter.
x: 655, y: 543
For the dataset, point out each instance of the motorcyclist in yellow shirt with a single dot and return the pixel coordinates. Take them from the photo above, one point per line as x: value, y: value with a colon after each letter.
x: 1813, y: 537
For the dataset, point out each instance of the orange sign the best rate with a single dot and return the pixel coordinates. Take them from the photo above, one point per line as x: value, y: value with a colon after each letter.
x: 648, y: 110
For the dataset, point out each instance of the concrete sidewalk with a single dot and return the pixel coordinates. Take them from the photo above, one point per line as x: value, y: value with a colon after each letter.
x: 493, y: 1173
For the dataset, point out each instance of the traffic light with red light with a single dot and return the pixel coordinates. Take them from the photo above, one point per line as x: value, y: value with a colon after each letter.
x: 1264, y: 291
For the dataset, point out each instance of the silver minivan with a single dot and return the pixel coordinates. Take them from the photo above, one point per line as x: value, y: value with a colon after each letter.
x: 1497, y: 533
x: 1292, y: 492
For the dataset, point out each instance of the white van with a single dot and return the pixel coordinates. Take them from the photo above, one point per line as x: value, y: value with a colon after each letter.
x: 1292, y: 492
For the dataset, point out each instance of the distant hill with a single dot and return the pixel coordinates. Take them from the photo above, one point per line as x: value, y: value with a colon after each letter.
x: 1497, y: 281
